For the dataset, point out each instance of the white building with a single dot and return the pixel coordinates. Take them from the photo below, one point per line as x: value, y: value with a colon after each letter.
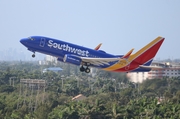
x: 50, y: 58
x: 167, y: 70
x: 47, y: 60
x: 79, y: 97
x: 137, y: 77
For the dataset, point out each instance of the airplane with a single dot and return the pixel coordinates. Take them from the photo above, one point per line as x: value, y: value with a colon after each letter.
x: 87, y: 57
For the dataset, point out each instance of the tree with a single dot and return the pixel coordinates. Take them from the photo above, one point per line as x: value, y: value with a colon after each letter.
x: 6, y: 88
x: 115, y: 112
x: 42, y: 111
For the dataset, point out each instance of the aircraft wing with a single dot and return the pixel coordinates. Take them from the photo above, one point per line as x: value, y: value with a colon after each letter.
x: 99, y: 61
x: 102, y: 61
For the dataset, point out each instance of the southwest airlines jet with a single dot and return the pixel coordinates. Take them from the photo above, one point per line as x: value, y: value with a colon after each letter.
x: 86, y: 57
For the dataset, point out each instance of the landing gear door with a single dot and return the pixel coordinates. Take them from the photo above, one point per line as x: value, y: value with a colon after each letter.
x: 42, y: 42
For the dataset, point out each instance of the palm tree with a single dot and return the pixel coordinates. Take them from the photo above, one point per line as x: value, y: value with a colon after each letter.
x: 116, y: 112
x: 95, y: 110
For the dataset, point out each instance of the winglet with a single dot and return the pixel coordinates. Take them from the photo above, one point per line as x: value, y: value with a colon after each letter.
x: 97, y: 48
x: 128, y: 54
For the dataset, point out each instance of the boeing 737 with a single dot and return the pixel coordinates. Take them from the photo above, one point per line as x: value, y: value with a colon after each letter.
x: 86, y: 57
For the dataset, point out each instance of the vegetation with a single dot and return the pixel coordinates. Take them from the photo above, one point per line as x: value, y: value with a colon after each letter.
x: 109, y: 95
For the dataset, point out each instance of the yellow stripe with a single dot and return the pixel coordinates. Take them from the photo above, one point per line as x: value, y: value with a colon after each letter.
x: 122, y: 63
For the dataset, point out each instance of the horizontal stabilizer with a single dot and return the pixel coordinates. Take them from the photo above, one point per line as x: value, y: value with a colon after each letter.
x: 150, y: 67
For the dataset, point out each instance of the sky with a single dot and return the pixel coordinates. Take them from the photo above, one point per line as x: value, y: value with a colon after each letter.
x: 119, y: 25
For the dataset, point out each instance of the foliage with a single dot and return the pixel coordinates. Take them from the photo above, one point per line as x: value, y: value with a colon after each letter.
x: 109, y: 95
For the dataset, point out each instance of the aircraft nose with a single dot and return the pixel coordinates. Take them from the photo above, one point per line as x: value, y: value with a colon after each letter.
x: 23, y: 41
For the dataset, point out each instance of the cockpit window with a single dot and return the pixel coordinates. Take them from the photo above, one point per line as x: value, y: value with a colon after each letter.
x: 31, y: 38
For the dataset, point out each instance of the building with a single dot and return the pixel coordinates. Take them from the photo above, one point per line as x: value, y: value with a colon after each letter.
x: 54, y: 69
x: 167, y: 70
x: 48, y: 60
x: 137, y: 77
x: 79, y: 97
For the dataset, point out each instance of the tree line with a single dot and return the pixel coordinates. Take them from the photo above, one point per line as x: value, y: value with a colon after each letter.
x: 108, y: 95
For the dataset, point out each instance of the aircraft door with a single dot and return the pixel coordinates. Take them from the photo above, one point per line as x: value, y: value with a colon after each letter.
x: 42, y: 42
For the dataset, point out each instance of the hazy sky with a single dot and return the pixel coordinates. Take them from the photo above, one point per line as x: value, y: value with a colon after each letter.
x: 119, y: 24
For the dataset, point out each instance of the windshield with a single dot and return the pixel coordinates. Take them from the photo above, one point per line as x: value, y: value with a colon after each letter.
x: 31, y: 38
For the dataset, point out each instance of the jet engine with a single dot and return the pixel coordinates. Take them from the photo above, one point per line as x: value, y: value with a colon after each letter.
x: 72, y: 59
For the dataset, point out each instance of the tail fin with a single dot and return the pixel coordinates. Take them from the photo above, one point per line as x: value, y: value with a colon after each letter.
x: 148, y: 52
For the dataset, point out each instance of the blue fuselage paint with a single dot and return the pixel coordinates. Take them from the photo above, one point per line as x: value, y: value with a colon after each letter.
x: 59, y: 49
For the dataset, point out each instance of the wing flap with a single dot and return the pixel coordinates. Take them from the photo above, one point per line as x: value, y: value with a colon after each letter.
x: 99, y: 61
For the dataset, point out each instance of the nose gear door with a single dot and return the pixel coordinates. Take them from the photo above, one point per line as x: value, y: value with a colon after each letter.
x: 42, y: 42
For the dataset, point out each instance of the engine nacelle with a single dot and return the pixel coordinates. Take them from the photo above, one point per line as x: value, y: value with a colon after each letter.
x: 72, y: 59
